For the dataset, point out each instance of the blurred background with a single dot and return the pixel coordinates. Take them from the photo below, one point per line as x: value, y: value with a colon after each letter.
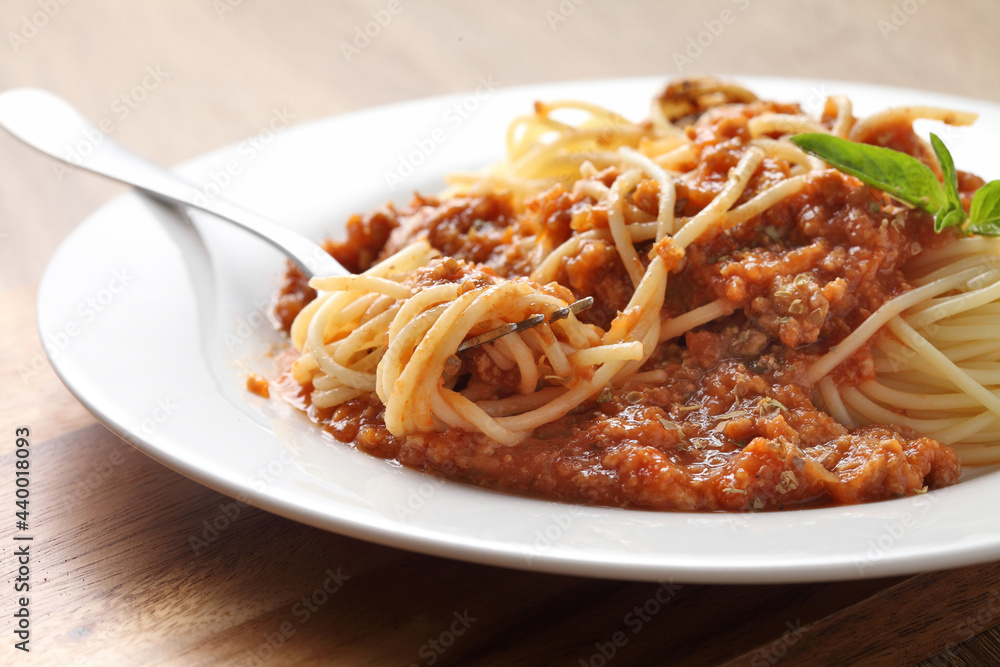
x: 179, y: 78
x: 175, y: 79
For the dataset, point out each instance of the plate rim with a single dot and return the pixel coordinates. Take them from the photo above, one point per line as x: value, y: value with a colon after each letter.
x: 445, y: 546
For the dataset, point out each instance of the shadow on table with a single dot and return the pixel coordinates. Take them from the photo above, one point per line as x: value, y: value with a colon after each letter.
x: 148, y: 565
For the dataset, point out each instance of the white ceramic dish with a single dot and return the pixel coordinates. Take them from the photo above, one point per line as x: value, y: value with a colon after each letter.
x: 153, y: 330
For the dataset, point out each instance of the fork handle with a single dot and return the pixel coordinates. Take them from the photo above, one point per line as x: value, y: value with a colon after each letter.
x: 49, y: 124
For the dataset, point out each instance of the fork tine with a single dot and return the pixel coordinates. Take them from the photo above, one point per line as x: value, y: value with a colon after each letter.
x: 533, y: 321
x: 488, y: 336
x: 575, y: 307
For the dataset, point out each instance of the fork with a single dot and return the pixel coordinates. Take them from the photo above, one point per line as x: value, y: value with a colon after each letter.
x: 49, y: 124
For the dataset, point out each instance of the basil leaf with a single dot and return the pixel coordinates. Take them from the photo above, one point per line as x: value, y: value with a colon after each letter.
x: 948, y: 217
x: 947, y: 168
x: 951, y: 214
x: 900, y: 175
x: 984, y: 214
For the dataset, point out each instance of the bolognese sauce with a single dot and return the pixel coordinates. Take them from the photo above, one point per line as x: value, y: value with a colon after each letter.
x: 719, y: 418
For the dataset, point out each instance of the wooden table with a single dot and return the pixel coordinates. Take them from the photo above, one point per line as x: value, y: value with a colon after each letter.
x: 114, y: 579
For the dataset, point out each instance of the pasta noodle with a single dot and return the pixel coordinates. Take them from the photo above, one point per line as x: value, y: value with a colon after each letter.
x: 922, y: 359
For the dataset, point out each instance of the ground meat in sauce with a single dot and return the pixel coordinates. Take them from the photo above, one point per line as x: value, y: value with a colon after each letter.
x: 731, y: 427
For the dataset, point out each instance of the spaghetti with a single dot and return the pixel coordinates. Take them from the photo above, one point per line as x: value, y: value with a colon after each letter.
x: 767, y: 331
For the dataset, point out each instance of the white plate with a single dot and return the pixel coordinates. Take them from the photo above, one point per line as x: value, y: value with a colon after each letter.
x: 153, y: 331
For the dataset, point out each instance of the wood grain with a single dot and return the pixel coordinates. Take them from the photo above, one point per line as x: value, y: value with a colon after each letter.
x: 135, y: 564
x: 30, y: 388
x: 239, y: 591
x: 225, y: 71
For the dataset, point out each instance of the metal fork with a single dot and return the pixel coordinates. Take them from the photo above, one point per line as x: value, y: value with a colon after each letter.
x: 50, y: 124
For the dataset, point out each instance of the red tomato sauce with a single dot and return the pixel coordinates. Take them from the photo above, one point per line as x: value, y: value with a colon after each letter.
x: 733, y: 426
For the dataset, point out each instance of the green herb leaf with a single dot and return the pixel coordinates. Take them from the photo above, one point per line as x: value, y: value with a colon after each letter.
x: 909, y: 180
x: 984, y: 214
x: 951, y: 214
x: 900, y: 175
x: 948, y: 217
x: 947, y: 168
